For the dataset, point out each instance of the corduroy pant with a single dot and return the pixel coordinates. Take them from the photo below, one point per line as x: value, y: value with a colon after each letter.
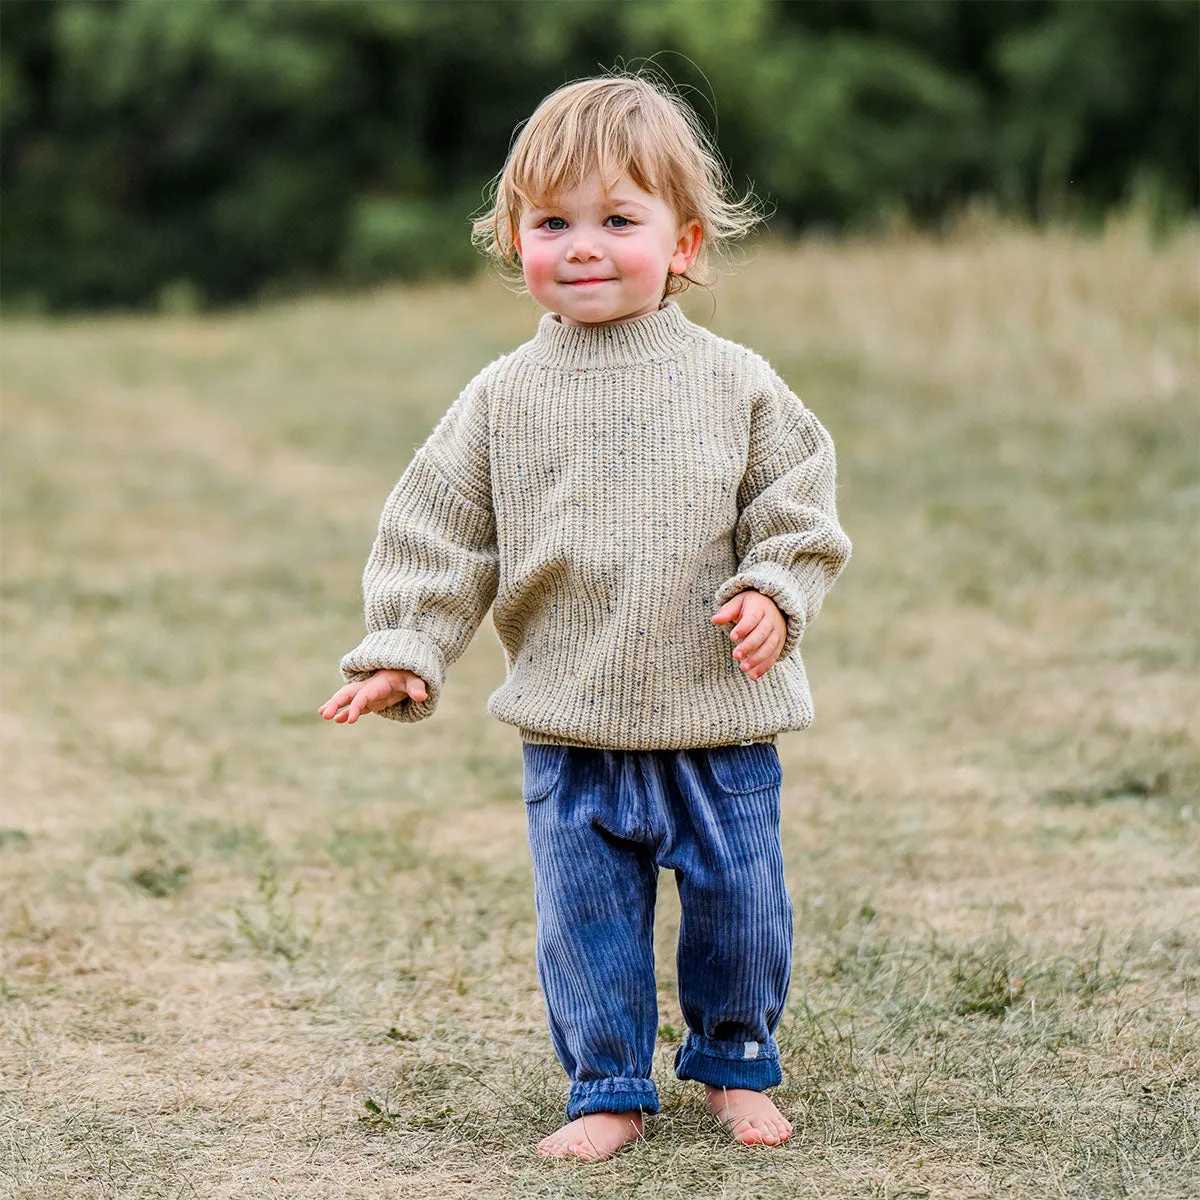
x: 602, y: 823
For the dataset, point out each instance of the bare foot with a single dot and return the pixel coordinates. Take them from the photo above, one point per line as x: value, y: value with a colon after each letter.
x: 750, y: 1117
x: 592, y: 1137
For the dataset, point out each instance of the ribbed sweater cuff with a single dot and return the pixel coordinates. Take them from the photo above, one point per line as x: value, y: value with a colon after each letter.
x: 399, y: 650
x: 783, y: 587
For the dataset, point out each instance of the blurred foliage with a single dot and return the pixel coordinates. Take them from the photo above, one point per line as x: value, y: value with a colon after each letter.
x: 210, y: 151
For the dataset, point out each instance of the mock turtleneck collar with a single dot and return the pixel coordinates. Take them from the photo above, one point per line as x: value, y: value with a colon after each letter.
x: 656, y: 336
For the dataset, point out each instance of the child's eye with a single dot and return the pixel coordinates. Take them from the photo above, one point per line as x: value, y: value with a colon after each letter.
x: 619, y: 222
x: 554, y: 223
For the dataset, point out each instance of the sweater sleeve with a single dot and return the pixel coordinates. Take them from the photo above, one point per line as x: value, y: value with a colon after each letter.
x: 434, y: 568
x: 787, y: 538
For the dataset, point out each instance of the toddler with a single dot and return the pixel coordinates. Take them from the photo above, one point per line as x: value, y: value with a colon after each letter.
x: 604, y: 487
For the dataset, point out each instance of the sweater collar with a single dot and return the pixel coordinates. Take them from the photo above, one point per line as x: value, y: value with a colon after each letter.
x: 654, y: 337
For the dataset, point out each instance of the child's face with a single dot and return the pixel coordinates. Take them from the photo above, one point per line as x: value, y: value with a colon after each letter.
x: 595, y: 258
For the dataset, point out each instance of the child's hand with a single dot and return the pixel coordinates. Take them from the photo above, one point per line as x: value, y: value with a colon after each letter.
x: 761, y: 629
x: 381, y: 690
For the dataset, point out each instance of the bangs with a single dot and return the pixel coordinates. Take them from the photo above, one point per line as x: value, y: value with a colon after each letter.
x: 559, y: 152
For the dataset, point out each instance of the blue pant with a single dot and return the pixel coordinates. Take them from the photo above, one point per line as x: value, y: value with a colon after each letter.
x: 601, y: 825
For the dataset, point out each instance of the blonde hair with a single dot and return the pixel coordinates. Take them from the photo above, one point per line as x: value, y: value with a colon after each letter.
x: 612, y: 125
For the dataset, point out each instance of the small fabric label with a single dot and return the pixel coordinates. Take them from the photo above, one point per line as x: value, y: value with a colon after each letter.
x: 751, y: 1050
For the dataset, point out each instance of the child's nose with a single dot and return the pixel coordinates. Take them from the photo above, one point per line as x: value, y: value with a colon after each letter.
x: 582, y: 250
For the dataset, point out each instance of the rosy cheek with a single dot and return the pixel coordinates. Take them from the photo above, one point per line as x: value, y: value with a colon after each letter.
x: 638, y: 263
x: 537, y: 266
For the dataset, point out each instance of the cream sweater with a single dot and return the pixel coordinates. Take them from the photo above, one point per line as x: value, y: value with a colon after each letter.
x: 606, y: 490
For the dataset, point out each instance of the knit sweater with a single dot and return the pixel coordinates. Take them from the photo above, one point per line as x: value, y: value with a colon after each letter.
x: 605, y: 489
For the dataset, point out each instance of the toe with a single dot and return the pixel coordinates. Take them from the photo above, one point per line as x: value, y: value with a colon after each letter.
x: 766, y: 1132
x: 553, y: 1145
x: 581, y: 1151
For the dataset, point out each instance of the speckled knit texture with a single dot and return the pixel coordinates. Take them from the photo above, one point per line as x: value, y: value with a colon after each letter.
x: 605, y: 490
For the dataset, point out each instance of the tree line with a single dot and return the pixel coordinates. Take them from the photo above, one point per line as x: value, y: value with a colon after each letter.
x: 215, y: 151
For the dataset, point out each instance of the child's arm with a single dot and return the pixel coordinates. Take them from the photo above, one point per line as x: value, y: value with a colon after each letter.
x: 788, y: 541
x: 434, y: 568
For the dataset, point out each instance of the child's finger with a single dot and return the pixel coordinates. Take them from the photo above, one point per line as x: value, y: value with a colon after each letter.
x: 752, y: 641
x: 766, y: 653
x: 772, y: 639
x: 359, y: 705
x: 742, y: 629
x: 336, y: 701
x: 728, y: 611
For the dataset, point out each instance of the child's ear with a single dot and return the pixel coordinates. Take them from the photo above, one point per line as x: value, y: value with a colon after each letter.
x: 687, y: 247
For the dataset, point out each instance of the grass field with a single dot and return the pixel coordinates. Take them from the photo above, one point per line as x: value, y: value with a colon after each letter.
x: 246, y: 954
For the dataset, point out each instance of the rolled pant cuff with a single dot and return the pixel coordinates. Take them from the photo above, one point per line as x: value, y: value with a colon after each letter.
x: 752, y: 1065
x: 618, y: 1094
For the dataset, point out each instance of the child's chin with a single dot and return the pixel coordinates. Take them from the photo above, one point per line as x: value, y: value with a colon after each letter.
x: 592, y: 316
x: 601, y: 314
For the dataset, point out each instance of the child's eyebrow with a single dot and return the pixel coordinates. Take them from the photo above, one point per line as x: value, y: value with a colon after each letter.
x: 550, y: 206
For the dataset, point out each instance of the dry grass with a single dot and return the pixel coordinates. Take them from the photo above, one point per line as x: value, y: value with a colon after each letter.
x: 248, y: 955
